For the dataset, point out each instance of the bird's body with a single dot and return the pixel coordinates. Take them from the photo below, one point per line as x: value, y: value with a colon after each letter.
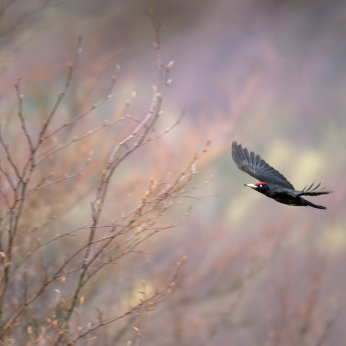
x: 272, y: 183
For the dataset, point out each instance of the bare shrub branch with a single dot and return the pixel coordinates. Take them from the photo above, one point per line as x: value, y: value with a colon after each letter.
x: 97, y: 244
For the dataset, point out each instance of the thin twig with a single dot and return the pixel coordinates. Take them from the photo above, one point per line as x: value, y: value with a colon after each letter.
x: 8, y: 156
x: 21, y: 114
x: 93, y: 107
x: 76, y: 139
x: 158, y: 294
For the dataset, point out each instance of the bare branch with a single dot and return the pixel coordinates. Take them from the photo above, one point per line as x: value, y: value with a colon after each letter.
x: 9, y: 180
x: 21, y: 114
x: 76, y: 139
x: 150, y: 300
x: 93, y: 107
x: 61, y: 95
x: 8, y: 156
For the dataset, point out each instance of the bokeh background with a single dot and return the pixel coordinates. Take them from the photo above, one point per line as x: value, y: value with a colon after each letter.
x: 270, y: 74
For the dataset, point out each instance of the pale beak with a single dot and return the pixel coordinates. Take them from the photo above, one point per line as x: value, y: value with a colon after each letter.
x: 253, y: 186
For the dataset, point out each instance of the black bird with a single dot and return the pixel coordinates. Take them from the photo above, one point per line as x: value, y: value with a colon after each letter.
x: 272, y: 183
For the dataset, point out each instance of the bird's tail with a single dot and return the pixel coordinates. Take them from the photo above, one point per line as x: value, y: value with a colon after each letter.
x: 308, y: 203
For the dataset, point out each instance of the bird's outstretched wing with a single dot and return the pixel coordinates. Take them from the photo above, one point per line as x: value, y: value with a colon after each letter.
x: 252, y: 164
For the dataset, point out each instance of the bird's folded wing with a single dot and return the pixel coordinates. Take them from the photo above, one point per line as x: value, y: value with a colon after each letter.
x: 253, y: 164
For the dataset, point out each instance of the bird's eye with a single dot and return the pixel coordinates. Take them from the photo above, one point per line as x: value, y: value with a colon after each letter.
x: 261, y: 185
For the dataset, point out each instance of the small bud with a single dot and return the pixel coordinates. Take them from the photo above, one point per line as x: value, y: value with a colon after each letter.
x: 170, y: 64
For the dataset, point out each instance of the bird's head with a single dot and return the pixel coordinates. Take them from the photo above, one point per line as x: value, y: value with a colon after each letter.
x: 260, y: 187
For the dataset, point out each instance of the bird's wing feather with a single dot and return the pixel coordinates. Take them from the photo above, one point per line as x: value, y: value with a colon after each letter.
x: 252, y: 164
x: 310, y: 191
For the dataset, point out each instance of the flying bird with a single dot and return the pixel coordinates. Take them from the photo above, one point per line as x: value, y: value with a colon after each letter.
x: 272, y: 183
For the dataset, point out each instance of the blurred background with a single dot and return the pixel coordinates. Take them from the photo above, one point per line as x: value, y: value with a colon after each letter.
x: 270, y: 74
